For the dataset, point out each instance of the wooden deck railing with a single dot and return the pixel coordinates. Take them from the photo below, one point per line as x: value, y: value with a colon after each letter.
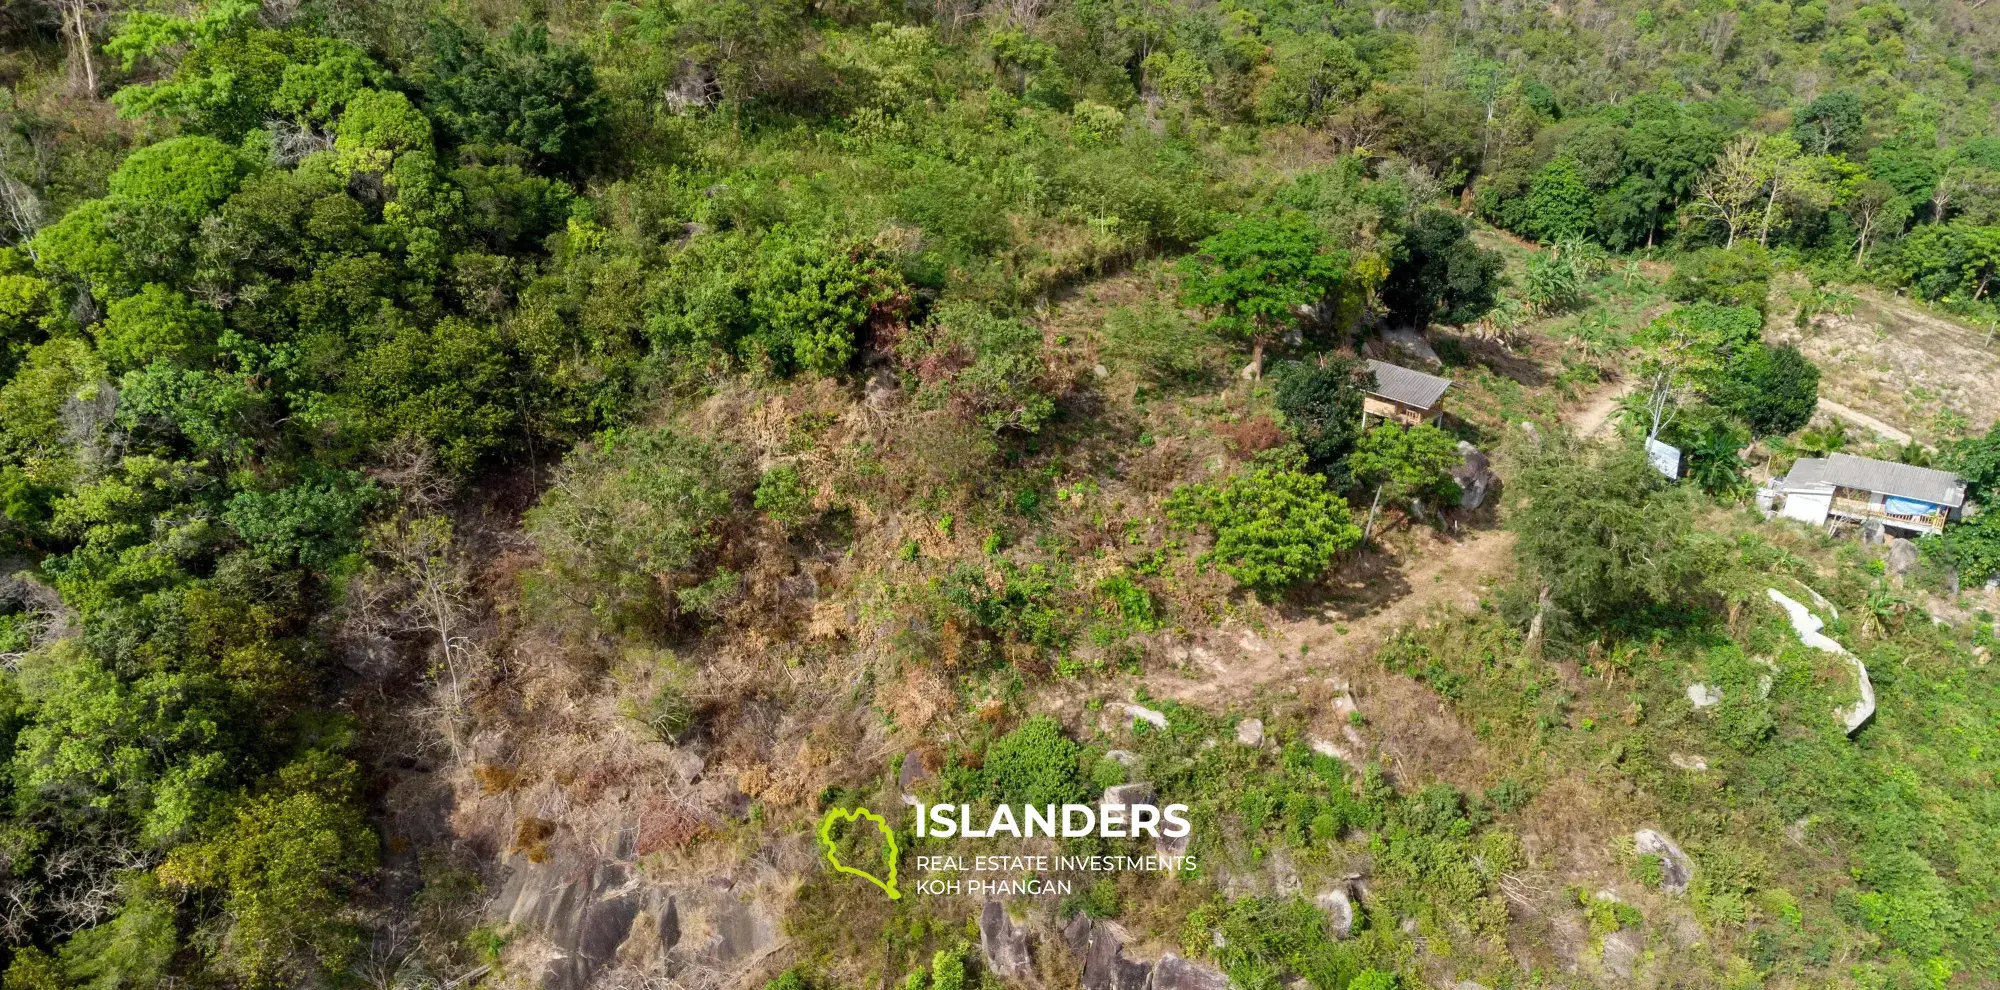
x: 1874, y: 510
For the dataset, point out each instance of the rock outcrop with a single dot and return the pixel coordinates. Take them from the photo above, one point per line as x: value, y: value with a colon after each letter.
x: 1250, y: 732
x: 1004, y: 945
x: 589, y: 915
x: 1101, y: 946
x: 1474, y: 475
x: 1675, y: 867
x: 1338, y: 905
x: 1808, y: 626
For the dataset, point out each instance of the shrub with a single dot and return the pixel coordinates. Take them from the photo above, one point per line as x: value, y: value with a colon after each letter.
x: 313, y: 523
x: 1442, y: 275
x: 1321, y: 402
x: 812, y: 296
x: 782, y: 495
x: 1739, y: 276
x: 1254, y: 276
x: 1272, y: 528
x: 1603, y: 533
x: 985, y: 368
x: 1413, y: 462
x: 1160, y: 343
x: 1034, y: 764
x: 636, y: 506
x: 1773, y: 390
x: 947, y: 970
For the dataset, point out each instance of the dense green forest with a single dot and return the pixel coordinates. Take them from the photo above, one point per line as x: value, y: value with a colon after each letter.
x: 345, y: 342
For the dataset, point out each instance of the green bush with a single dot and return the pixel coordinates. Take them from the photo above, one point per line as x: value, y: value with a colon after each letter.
x: 782, y: 495
x: 812, y: 296
x: 637, y: 506
x: 1773, y: 390
x: 1321, y: 402
x: 1034, y: 764
x: 1164, y: 346
x: 987, y: 369
x: 1740, y: 276
x: 1272, y: 528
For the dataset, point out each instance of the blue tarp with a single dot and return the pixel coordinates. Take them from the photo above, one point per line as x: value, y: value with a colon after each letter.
x: 1908, y: 506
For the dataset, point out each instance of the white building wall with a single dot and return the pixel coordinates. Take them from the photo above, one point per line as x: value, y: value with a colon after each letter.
x: 1807, y: 505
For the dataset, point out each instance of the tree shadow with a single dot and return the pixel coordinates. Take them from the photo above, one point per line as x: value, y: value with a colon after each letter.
x: 1365, y: 582
x: 1460, y: 351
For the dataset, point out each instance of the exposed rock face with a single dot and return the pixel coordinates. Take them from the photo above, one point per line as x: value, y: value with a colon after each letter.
x: 1703, y: 696
x: 1127, y: 795
x: 1123, y: 757
x: 1174, y: 973
x: 1250, y: 732
x: 1104, y: 964
x: 1621, y: 951
x: 1902, y: 557
x: 1140, y: 713
x: 1101, y: 945
x: 1474, y: 475
x: 1808, y: 626
x: 910, y: 776
x: 592, y: 914
x: 1005, y: 946
x: 1675, y: 867
x: 1338, y: 904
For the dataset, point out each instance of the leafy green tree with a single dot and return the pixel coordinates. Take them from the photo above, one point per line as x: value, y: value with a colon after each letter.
x: 1408, y: 463
x: 522, y: 90
x: 1442, y: 275
x: 1312, y: 76
x: 450, y: 386
x: 1977, y: 461
x: 1601, y: 533
x: 1773, y: 390
x: 314, y: 523
x: 1560, y: 205
x: 132, y: 951
x: 157, y: 323
x: 1972, y: 548
x: 1739, y: 276
x: 811, y: 298
x: 1257, y: 273
x: 635, y: 508
x: 283, y: 861
x: 1321, y: 401
x: 192, y: 174
x: 1953, y: 260
x: 1686, y: 350
x: 1272, y: 528
x: 1711, y: 448
x: 1828, y: 125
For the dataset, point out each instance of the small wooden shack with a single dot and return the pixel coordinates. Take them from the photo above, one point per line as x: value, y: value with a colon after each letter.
x: 1404, y: 396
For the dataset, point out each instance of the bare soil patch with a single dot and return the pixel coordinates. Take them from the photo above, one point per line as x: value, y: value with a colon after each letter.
x: 1903, y: 366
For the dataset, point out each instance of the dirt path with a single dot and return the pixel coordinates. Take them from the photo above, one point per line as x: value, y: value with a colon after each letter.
x: 1862, y: 419
x: 1593, y: 418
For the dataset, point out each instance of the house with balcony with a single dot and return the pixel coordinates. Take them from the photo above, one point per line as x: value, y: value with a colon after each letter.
x: 1403, y: 396
x: 1913, y: 501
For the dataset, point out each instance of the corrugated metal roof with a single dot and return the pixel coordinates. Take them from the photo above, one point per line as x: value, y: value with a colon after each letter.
x: 1411, y: 388
x: 1885, y: 477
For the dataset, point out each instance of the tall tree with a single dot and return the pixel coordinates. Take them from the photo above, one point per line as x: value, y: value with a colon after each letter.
x: 1258, y: 274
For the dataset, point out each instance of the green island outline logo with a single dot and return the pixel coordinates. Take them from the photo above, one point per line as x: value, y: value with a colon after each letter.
x: 826, y: 824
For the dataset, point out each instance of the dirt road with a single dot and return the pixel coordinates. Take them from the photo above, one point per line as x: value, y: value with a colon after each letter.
x: 1863, y: 420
